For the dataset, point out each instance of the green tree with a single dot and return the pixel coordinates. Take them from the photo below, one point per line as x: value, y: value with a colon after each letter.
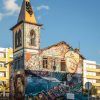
x: 93, y: 91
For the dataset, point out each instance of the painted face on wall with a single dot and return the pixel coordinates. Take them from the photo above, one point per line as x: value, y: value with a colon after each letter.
x: 71, y: 65
x: 19, y: 85
x: 72, y: 60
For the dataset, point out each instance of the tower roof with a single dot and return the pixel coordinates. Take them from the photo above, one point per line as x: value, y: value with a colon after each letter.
x: 26, y: 13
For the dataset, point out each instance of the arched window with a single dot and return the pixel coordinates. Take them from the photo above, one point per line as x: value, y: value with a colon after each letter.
x: 32, y: 38
x: 19, y: 38
x: 16, y: 40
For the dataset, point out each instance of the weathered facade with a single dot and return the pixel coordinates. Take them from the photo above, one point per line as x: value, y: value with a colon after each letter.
x: 46, y: 68
x: 55, y: 58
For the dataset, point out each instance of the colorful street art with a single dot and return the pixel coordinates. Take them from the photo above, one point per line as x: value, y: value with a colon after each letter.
x: 40, y: 82
x: 17, y: 85
x: 43, y: 74
x: 72, y: 61
x: 51, y: 84
x: 32, y: 63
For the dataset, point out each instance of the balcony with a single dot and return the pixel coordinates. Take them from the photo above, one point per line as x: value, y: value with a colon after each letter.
x: 98, y: 91
x: 93, y: 77
x: 2, y: 78
x: 9, y: 59
x: 3, y: 69
x: 3, y: 59
x: 93, y: 70
x: 96, y: 84
x: 6, y: 59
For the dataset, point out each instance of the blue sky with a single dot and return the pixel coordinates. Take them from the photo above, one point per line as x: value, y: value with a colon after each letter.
x: 72, y: 21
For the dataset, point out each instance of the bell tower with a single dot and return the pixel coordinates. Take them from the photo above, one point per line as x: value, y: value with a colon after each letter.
x: 26, y: 36
x: 26, y: 42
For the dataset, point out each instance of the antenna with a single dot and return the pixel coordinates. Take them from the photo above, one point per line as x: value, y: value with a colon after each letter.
x: 79, y: 45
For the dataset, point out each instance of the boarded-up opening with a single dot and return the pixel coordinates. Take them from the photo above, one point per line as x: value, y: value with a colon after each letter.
x: 63, y: 65
x: 45, y: 63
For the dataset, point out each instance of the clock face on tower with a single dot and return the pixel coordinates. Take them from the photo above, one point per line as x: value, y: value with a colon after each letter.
x: 29, y: 8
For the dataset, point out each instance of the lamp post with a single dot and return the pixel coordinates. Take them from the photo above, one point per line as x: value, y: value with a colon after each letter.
x: 88, y: 86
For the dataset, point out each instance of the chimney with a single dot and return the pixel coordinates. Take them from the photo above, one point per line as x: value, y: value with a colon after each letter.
x: 77, y: 50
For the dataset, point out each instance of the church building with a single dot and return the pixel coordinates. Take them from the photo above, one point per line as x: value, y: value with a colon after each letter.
x: 37, y: 72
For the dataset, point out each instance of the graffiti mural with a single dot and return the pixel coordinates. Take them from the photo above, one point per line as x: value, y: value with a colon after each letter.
x: 31, y: 61
x: 51, y: 84
x: 48, y: 74
x: 56, y: 68
x: 17, y: 84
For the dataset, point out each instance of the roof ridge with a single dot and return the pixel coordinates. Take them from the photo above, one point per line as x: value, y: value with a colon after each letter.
x: 56, y: 44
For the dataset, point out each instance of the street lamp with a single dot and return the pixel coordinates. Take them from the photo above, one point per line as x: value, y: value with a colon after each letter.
x: 88, y: 86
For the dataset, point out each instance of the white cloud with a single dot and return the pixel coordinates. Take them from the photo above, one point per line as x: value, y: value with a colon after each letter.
x: 10, y: 8
x: 45, y: 7
x: 42, y: 11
